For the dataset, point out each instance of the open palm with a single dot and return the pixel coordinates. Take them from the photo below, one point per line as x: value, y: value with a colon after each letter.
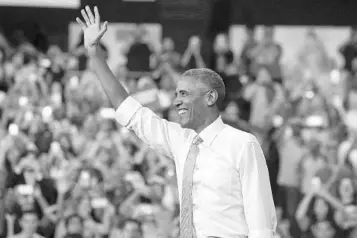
x: 92, y: 29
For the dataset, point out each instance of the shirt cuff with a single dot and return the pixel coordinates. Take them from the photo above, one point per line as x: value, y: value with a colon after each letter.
x: 126, y: 110
x: 261, y: 233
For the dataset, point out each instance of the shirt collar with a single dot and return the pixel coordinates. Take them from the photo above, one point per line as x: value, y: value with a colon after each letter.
x: 210, y: 132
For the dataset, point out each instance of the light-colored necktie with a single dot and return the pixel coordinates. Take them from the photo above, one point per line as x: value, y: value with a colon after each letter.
x: 186, y: 225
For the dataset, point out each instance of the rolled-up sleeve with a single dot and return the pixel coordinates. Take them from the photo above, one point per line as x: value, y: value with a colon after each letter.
x: 258, y: 201
x: 156, y: 132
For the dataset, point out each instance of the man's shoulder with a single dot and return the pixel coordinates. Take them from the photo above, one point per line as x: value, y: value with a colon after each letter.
x: 236, y: 135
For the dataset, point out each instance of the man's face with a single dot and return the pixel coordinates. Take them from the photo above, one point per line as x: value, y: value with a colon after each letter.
x: 29, y: 222
x: 191, y: 102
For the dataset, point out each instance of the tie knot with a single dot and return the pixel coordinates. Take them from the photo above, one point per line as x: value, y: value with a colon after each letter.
x: 197, y: 140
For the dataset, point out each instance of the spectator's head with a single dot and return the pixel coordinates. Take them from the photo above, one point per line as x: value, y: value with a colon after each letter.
x: 231, y: 112
x: 17, y: 59
x: 84, y: 207
x: 157, y: 185
x: 29, y: 222
x: 321, y: 210
x: 199, y: 97
x: 2, y: 56
x: 354, y: 34
x: 168, y: 44
x: 314, y: 147
x: 13, y: 156
x: 90, y: 127
x: 145, y: 83
x: 194, y: 43
x: 268, y: 34
x: 264, y: 75
x: 82, y: 62
x: 72, y: 63
x: 139, y: 33
x: 132, y: 229
x: 65, y: 141
x: 351, y: 118
x: 106, y: 156
x: 121, y: 72
x: 31, y: 169
x: 329, y: 149
x: 220, y: 44
x: 108, y: 126
x: 250, y: 33
x: 74, y: 224
x: 167, y: 82
x: 346, y: 189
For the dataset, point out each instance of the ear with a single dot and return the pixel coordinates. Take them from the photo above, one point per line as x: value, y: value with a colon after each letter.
x: 212, y: 97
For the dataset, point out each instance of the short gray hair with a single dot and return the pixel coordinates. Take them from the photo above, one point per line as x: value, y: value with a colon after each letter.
x: 212, y: 79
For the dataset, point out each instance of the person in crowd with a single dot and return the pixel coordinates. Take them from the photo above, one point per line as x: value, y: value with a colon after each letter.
x: 291, y: 149
x: 268, y: 53
x: 167, y: 55
x: 347, y: 150
x: 265, y: 97
x: 222, y: 55
x: 29, y: 222
x: 313, y: 57
x: 349, y: 49
x: 132, y: 229
x: 310, y: 163
x: 192, y: 57
x: 139, y: 52
x: 246, y: 58
x: 315, y: 217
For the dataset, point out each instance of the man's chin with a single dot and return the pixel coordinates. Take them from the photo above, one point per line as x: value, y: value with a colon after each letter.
x: 184, y: 123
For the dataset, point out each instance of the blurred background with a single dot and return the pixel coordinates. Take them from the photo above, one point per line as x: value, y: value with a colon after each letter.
x: 68, y: 170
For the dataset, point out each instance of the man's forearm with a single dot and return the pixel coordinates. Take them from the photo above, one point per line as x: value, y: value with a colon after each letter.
x: 114, y: 90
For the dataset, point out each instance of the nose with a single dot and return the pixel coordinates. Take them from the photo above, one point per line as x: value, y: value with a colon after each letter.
x: 177, y: 102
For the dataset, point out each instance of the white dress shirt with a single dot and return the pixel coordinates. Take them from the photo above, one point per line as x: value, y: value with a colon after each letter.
x: 231, y: 189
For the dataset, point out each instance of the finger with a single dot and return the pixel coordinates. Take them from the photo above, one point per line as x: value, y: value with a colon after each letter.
x: 80, y: 22
x: 90, y: 15
x: 103, y: 30
x: 85, y: 17
x: 97, y: 15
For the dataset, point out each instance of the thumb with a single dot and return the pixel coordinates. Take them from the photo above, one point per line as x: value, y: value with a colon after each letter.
x: 102, y: 31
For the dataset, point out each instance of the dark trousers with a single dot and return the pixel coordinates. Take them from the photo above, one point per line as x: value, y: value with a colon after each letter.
x: 289, y: 199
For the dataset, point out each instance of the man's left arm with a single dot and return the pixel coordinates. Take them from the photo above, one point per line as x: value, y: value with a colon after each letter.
x: 259, y: 209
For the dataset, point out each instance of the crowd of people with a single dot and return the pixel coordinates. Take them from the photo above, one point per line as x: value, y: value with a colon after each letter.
x: 68, y: 170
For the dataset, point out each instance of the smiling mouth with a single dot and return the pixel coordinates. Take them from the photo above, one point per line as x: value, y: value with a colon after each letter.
x: 182, y: 111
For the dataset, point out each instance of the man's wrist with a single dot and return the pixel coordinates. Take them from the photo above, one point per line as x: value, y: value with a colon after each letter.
x: 94, y: 51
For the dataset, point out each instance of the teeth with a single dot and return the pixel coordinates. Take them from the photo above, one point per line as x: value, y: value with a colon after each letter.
x: 182, y: 111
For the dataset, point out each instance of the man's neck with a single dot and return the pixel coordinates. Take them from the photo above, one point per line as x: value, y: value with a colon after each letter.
x: 207, y: 122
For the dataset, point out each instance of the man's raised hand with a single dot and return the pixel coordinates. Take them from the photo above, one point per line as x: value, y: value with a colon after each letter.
x: 92, y: 29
